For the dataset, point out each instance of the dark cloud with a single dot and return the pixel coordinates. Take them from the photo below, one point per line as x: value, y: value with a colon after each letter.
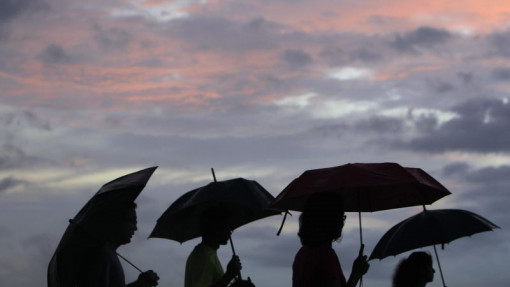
x: 487, y: 189
x: 381, y: 125
x: 425, y: 122
x: 339, y: 56
x: 457, y: 168
x: 481, y: 126
x: 14, y: 157
x: 466, y: 78
x: 112, y: 39
x: 10, y: 182
x: 501, y: 74
x: 10, y: 9
x: 330, y: 130
x: 491, y: 175
x: 25, y: 118
x: 443, y: 87
x: 421, y: 38
x: 500, y: 42
x: 297, y: 58
x: 54, y: 54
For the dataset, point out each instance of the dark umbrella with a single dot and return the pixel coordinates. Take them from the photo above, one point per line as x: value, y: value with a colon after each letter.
x: 364, y: 187
x: 430, y: 227
x: 246, y: 200
x: 82, y: 237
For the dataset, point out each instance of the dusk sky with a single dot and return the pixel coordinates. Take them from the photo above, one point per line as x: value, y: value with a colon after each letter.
x: 259, y: 89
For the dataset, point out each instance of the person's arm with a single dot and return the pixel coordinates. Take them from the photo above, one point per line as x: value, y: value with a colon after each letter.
x: 233, y: 268
x: 145, y: 279
x: 359, y: 268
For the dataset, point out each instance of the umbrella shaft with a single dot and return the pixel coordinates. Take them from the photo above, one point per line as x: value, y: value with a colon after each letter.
x: 439, y: 265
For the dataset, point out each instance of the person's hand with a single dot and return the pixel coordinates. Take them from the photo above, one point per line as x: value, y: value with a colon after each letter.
x: 148, y: 279
x: 360, y: 265
x: 234, y: 266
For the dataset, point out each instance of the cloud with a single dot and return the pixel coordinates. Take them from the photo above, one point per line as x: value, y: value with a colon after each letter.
x: 500, y: 41
x: 296, y: 58
x: 467, y: 78
x: 481, y: 126
x: 457, y: 168
x: 15, y: 157
x: 11, y: 9
x: 224, y: 35
x: 340, y: 57
x: 380, y: 125
x: 419, y: 39
x: 54, y: 54
x: 23, y: 119
x: 484, y: 190
x: 112, y: 39
x: 501, y: 74
x: 10, y: 182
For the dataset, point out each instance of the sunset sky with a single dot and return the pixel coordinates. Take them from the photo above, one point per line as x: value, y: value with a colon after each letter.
x: 259, y: 89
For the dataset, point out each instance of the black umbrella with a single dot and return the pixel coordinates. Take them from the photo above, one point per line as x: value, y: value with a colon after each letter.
x: 428, y: 228
x: 246, y: 200
x: 82, y: 237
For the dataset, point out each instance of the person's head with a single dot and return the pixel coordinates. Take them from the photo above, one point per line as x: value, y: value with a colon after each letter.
x: 415, y: 270
x: 122, y: 225
x: 214, y: 226
x: 322, y: 219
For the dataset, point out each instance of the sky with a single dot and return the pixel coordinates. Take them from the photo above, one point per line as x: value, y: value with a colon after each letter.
x: 259, y: 89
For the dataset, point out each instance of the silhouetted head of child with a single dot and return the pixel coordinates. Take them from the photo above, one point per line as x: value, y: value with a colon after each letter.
x: 413, y: 271
x: 214, y: 225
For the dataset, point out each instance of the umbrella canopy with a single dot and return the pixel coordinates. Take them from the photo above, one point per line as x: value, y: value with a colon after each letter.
x: 428, y: 228
x: 246, y: 200
x: 82, y: 237
x: 365, y: 187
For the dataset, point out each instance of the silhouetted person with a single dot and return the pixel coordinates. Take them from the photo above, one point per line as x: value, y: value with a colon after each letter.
x: 203, y: 268
x: 316, y: 263
x: 105, y: 269
x: 414, y: 271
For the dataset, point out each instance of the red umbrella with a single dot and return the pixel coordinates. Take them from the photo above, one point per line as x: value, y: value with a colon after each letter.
x: 364, y: 187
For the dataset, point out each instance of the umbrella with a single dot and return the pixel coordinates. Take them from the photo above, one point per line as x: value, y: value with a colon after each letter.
x: 430, y: 227
x: 82, y: 236
x: 246, y: 200
x: 364, y: 187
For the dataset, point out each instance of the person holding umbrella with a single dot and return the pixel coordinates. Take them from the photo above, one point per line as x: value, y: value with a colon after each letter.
x: 86, y: 255
x: 414, y: 271
x: 203, y: 268
x: 104, y: 269
x: 316, y: 263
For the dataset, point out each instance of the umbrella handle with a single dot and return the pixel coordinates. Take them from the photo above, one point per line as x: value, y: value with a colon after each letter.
x: 234, y: 253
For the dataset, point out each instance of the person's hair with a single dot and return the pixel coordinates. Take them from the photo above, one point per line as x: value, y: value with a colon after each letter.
x: 408, y: 271
x: 322, y: 219
x: 212, y: 219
